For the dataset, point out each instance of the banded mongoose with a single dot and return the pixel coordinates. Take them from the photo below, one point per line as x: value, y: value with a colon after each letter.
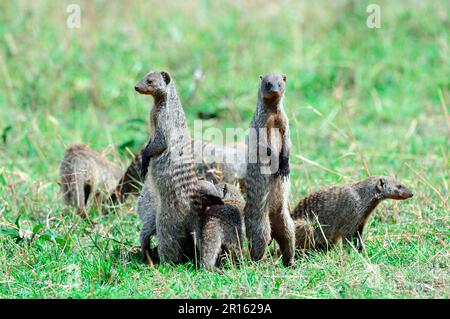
x: 171, y: 170
x: 328, y: 215
x: 222, y: 227
x: 267, y: 188
x: 84, y: 171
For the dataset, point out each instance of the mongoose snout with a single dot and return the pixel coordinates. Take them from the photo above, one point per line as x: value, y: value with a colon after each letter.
x: 402, y: 193
x: 272, y: 86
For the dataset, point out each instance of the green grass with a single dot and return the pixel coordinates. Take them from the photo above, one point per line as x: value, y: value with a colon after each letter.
x: 360, y: 101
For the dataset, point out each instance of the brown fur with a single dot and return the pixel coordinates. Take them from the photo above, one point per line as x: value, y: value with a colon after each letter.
x: 328, y: 215
x: 171, y: 176
x: 83, y: 172
x: 266, y: 211
x: 208, y: 194
x: 222, y: 227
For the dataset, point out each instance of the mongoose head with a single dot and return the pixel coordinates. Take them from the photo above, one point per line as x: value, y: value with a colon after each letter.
x: 154, y: 83
x: 273, y: 86
x: 389, y: 187
x: 209, y: 195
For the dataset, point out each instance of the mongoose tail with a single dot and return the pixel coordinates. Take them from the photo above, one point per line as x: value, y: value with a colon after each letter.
x: 330, y: 214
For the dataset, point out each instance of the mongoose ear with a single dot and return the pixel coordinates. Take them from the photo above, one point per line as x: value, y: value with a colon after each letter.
x: 166, y: 77
x: 380, y: 184
x: 284, y: 77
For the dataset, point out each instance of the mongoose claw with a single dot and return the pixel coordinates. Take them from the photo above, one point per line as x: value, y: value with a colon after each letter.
x: 283, y: 169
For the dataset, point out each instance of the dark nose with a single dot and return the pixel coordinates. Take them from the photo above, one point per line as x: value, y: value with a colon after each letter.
x: 407, y: 193
x: 136, y: 87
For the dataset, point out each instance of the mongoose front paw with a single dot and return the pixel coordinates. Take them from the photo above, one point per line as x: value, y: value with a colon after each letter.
x: 284, y: 173
x: 144, y: 163
x: 283, y: 169
x: 144, y: 170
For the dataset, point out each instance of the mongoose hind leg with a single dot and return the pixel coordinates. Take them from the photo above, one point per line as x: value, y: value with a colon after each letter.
x: 211, y: 246
x: 147, y: 205
x: 66, y: 190
x: 170, y: 239
x: 256, y: 215
x: 283, y: 228
x: 257, y: 223
x: 170, y: 251
x: 258, y: 233
x: 147, y: 231
x: 82, y: 193
x: 355, y: 239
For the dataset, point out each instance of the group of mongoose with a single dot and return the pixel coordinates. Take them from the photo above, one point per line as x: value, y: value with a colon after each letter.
x: 196, y: 209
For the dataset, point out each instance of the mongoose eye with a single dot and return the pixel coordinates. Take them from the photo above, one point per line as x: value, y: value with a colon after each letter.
x: 149, y: 82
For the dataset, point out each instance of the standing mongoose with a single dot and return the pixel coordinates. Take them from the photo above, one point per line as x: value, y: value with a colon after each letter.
x: 84, y: 171
x: 266, y: 210
x: 341, y: 212
x: 222, y: 227
x: 171, y: 170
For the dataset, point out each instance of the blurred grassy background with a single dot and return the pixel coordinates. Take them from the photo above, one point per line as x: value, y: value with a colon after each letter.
x: 361, y: 101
